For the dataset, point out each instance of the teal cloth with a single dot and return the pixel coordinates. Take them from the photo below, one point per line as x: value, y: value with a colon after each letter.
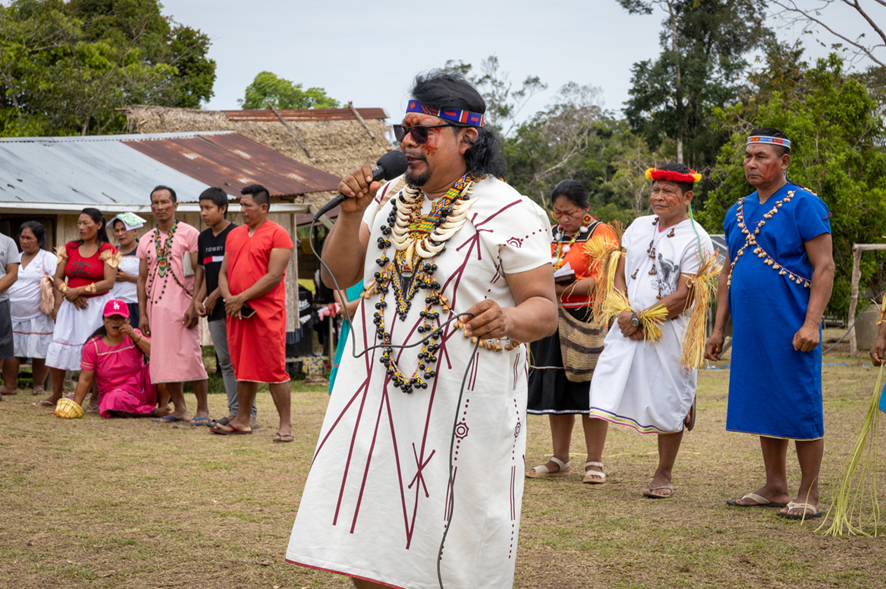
x: 352, y: 293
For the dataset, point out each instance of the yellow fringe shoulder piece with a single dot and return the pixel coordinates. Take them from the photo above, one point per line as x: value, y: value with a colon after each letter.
x: 858, y: 489
x: 605, y: 253
x: 111, y: 259
x: 61, y: 252
x: 700, y: 288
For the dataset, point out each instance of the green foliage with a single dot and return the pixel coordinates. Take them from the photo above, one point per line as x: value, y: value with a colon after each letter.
x: 503, y: 101
x: 674, y: 96
x: 65, y: 67
x: 196, y: 72
x: 837, y: 132
x: 267, y: 87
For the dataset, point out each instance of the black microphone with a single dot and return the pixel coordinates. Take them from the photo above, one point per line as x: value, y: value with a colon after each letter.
x: 389, y: 166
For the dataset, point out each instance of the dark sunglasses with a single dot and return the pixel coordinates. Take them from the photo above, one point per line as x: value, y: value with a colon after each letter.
x: 419, y: 132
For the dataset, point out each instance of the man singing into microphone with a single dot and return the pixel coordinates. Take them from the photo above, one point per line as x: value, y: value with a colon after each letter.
x: 456, y: 241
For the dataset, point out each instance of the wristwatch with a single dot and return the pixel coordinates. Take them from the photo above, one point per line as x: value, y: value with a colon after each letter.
x: 635, y: 321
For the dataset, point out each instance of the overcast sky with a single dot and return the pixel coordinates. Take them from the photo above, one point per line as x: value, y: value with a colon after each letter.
x: 368, y: 52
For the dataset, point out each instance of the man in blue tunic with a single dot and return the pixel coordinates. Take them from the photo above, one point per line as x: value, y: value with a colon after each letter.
x: 776, y: 288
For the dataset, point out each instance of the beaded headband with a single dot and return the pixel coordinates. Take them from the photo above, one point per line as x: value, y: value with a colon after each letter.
x: 770, y: 140
x: 671, y: 176
x: 465, y: 117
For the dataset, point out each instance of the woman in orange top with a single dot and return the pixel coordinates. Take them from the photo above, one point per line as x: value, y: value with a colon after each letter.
x: 550, y: 392
x: 86, y: 272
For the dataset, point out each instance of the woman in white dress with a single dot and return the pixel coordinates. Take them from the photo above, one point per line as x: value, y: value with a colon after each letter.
x: 86, y: 272
x: 31, y: 328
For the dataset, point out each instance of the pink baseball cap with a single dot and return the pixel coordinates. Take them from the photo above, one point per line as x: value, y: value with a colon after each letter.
x: 116, y: 307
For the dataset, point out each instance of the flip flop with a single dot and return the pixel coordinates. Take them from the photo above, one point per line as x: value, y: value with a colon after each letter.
x: 167, y: 419
x: 43, y: 403
x: 282, y: 438
x: 650, y: 491
x: 201, y: 420
x: 816, y: 513
x: 759, y: 499
x: 234, y: 431
x: 690, y: 422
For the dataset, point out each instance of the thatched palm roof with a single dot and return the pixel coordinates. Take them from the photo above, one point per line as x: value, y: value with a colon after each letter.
x: 336, y: 146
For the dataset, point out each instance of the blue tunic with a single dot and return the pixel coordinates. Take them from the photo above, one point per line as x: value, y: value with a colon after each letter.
x: 774, y: 390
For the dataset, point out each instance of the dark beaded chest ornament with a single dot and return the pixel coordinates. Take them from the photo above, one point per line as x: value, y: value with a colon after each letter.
x: 418, y: 240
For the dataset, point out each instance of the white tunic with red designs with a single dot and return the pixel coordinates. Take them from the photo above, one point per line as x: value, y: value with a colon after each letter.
x: 375, y: 503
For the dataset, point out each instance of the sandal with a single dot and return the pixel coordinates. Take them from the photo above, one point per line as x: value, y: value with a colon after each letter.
x: 651, y: 491
x: 816, y: 512
x: 758, y: 501
x: 542, y: 472
x: 599, y: 474
x: 38, y: 391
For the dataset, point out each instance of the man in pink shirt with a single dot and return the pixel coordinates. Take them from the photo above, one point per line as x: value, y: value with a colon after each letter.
x: 166, y: 305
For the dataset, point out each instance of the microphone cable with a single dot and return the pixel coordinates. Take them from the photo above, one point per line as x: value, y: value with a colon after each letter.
x: 423, y: 340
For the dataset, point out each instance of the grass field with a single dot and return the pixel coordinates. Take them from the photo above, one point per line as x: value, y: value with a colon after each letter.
x: 128, y: 503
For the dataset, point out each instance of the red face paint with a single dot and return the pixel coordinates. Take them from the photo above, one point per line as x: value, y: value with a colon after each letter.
x: 762, y: 164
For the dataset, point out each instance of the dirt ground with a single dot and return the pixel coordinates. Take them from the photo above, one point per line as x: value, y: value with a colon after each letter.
x: 128, y: 503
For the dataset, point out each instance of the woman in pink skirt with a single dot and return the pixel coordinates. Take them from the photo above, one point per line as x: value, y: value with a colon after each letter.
x: 116, y: 356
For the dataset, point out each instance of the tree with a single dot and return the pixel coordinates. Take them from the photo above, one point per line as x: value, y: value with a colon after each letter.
x: 813, y: 19
x: 65, y: 67
x: 159, y: 40
x: 503, y: 102
x: 554, y: 141
x: 836, y: 131
x: 699, y: 69
x: 267, y: 87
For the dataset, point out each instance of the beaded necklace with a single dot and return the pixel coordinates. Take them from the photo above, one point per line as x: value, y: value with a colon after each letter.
x: 418, y: 240
x: 751, y: 240
x: 561, y: 249
x: 163, y: 249
x: 651, y: 252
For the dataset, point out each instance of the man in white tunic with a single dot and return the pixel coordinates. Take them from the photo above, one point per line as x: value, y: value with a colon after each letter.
x: 382, y: 490
x: 639, y: 383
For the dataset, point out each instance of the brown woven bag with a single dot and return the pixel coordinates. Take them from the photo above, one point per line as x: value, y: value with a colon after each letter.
x: 580, y: 344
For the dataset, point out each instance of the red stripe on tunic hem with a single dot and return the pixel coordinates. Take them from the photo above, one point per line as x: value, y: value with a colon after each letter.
x: 309, y: 566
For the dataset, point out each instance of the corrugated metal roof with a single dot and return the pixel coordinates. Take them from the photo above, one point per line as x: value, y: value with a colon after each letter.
x: 306, y: 115
x: 233, y: 161
x: 119, y: 171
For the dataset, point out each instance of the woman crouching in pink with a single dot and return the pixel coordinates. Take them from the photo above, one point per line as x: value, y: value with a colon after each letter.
x: 116, y: 356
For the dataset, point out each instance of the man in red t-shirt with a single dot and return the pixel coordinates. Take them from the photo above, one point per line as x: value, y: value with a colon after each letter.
x: 251, y: 284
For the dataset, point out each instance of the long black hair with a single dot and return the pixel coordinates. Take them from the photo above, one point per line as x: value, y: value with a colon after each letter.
x: 100, y: 332
x: 97, y: 218
x: 441, y: 89
x: 37, y: 229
